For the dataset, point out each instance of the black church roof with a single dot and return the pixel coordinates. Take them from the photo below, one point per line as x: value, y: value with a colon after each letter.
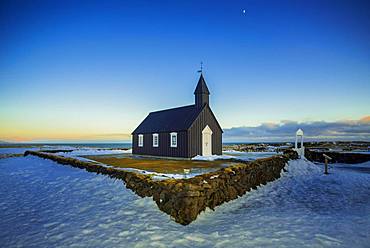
x: 169, y: 120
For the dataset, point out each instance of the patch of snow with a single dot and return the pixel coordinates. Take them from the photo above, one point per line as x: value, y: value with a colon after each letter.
x: 232, y: 152
x: 164, y: 176
x: 17, y: 150
x: 58, y: 147
x: 93, y: 151
x: 359, y: 152
x: 212, y: 157
x: 249, y: 156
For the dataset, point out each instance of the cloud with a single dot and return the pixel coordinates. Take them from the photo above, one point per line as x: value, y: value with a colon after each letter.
x: 285, y: 131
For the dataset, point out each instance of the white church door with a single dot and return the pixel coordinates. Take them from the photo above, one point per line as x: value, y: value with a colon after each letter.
x: 207, y: 141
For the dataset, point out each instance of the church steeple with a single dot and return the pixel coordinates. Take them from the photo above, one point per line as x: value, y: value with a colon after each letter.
x: 201, y: 92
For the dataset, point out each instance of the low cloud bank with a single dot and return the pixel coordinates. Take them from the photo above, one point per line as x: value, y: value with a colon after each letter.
x: 314, y: 131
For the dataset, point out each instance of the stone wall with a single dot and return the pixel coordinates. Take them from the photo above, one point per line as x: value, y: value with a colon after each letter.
x: 184, y: 199
x: 346, y: 158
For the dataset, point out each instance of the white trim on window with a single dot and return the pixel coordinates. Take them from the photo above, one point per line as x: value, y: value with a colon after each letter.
x: 155, y: 140
x: 140, y: 140
x: 173, y: 139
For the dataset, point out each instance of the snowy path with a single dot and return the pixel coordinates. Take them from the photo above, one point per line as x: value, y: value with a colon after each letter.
x: 43, y: 204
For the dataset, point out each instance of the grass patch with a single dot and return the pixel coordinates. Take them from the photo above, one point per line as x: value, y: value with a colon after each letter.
x: 159, y: 165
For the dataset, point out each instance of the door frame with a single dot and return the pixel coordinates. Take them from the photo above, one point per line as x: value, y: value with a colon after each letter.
x: 207, y: 132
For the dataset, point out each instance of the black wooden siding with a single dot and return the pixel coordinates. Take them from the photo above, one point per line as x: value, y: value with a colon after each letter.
x: 195, y: 133
x: 164, y: 149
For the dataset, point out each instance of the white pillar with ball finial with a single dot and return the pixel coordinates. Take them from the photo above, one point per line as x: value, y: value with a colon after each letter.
x: 300, y: 150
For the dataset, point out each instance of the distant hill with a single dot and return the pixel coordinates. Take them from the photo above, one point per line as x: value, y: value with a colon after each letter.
x: 3, y: 142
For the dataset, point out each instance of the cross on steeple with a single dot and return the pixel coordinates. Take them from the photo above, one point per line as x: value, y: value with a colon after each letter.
x: 201, y: 67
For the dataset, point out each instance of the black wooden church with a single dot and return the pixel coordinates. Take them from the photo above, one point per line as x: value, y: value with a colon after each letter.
x: 180, y: 132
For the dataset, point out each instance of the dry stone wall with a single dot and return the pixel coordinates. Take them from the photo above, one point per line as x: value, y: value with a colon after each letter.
x: 184, y: 199
x: 344, y: 157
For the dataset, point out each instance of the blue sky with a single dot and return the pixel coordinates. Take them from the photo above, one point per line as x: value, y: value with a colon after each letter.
x: 92, y: 70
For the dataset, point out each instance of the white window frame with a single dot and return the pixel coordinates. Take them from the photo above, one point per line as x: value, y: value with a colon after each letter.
x: 140, y: 140
x: 173, y: 134
x: 155, y: 135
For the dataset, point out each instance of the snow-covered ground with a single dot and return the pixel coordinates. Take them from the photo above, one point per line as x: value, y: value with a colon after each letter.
x: 93, y: 151
x: 17, y: 150
x: 361, y: 152
x: 249, y: 156
x: 232, y: 154
x: 212, y: 157
x: 44, y: 204
x: 77, y: 151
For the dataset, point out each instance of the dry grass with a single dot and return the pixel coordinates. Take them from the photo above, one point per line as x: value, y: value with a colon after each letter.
x: 158, y: 165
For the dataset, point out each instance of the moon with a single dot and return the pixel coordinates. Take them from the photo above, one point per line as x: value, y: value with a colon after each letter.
x: 244, y: 11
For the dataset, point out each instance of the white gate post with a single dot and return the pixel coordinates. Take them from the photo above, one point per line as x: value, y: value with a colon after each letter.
x: 296, y: 142
x: 300, y: 150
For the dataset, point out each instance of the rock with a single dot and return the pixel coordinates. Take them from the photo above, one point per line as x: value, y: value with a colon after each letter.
x: 347, y: 157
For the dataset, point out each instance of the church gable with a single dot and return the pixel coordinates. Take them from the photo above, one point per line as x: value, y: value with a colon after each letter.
x: 204, y: 119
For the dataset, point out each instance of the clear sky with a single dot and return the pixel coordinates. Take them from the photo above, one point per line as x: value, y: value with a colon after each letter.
x: 85, y: 70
